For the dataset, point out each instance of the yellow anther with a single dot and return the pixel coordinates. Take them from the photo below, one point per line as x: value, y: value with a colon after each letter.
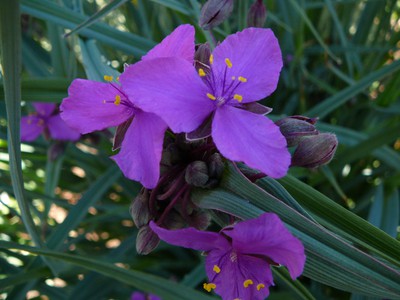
x: 238, y: 97
x: 108, y: 78
x: 228, y: 62
x: 209, y: 286
x: 211, y: 59
x: 247, y: 282
x: 233, y: 77
x: 242, y: 79
x: 117, y: 100
x: 260, y: 286
x: 216, y: 269
x: 211, y: 96
x: 202, y: 73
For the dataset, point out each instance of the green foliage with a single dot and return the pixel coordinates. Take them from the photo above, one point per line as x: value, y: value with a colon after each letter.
x: 70, y: 216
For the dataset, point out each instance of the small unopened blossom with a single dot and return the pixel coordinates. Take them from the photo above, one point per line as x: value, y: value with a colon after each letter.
x: 314, y: 151
x: 295, y: 128
x: 93, y: 106
x: 46, y: 119
x: 257, y: 14
x: 239, y: 257
x: 142, y: 296
x: 146, y: 240
x: 243, y: 69
x: 214, y: 12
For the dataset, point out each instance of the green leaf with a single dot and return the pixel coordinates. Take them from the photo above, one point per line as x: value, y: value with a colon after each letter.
x: 166, y: 289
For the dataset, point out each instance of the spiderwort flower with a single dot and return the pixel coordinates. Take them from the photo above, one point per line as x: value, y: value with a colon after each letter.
x: 46, y: 120
x: 95, y: 105
x: 239, y: 257
x: 244, y: 68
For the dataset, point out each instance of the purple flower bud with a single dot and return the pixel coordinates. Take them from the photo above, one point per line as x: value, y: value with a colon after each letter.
x: 214, y: 12
x: 315, y: 151
x: 174, y: 220
x: 197, y: 173
x: 139, y: 209
x: 295, y: 128
x: 200, y: 220
x: 257, y: 14
x: 146, y: 240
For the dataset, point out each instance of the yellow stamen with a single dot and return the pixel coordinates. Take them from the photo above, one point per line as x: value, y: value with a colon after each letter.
x: 108, y: 78
x: 211, y: 96
x: 211, y: 59
x: 216, y: 269
x: 233, y: 77
x: 209, y: 286
x: 242, y: 79
x: 117, y: 100
x: 247, y: 282
x: 238, y: 97
x: 260, y: 286
x: 228, y: 62
x: 202, y: 73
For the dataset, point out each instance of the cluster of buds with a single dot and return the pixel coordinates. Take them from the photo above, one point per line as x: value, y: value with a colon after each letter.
x: 313, y: 148
x: 185, y: 165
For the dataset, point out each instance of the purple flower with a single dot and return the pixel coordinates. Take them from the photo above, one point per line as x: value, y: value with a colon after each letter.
x: 141, y: 296
x: 239, y: 257
x: 95, y: 105
x: 243, y: 69
x: 48, y: 121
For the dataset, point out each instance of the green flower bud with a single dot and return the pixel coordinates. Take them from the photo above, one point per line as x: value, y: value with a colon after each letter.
x: 146, y: 240
x: 140, y: 210
x: 197, y: 173
x: 257, y: 14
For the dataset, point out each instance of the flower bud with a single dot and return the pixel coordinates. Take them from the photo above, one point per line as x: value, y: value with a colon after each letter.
x: 200, y: 220
x: 197, y: 173
x: 315, y: 151
x: 295, y: 128
x: 202, y: 56
x: 257, y: 14
x: 174, y: 220
x: 56, y: 149
x: 216, y: 166
x: 146, y: 240
x: 214, y: 12
x: 140, y: 210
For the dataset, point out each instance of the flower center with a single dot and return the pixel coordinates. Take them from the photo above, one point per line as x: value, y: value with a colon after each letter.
x: 120, y: 97
x: 222, y: 88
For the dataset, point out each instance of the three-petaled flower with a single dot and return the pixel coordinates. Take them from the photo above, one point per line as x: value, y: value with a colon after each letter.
x: 47, y: 120
x: 244, y: 68
x: 95, y: 105
x: 239, y: 257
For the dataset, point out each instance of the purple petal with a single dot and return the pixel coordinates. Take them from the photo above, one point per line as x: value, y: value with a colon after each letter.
x: 235, y: 269
x: 267, y: 235
x: 191, y: 238
x: 256, y: 56
x: 138, y: 296
x: 140, y: 154
x: 170, y: 88
x: 44, y: 109
x: 31, y: 127
x: 85, y: 110
x: 179, y: 43
x: 59, y: 130
x: 254, y: 139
